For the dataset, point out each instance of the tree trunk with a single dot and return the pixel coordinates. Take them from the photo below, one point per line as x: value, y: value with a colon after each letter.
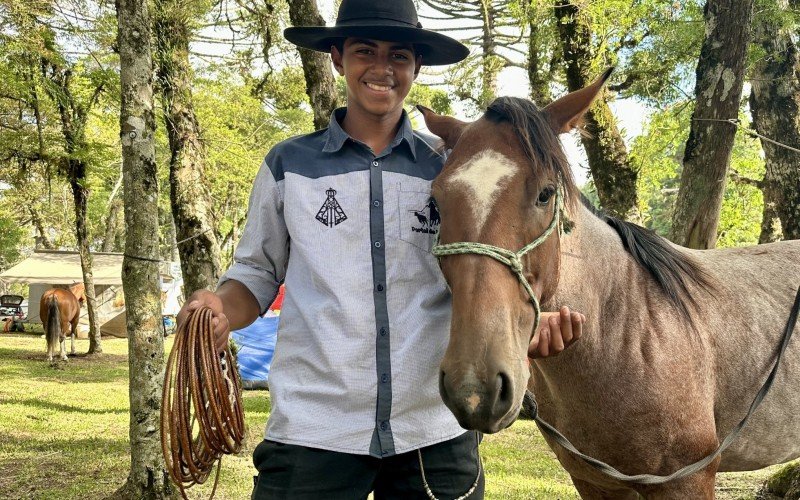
x: 490, y: 64
x: 316, y: 65
x: 537, y: 78
x: 73, y: 124
x: 613, y: 175
x: 81, y: 194
x: 112, y: 225
x: 140, y: 279
x: 190, y: 196
x: 775, y: 107
x: 170, y: 250
x: 42, y: 238
x: 718, y: 91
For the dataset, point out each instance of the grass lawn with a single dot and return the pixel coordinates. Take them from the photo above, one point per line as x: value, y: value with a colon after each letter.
x: 64, y: 434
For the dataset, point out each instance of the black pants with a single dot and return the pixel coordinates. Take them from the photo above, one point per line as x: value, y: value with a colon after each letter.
x: 300, y: 473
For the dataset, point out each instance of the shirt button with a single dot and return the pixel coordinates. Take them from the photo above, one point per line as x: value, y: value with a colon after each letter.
x: 379, y: 288
x: 375, y: 163
x: 384, y: 378
x: 384, y: 425
x: 383, y: 330
x: 376, y: 203
x: 377, y: 244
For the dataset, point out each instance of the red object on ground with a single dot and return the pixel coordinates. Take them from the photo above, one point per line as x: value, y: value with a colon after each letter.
x: 276, y: 305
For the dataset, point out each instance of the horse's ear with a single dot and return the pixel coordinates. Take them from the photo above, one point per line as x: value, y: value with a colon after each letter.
x: 446, y: 127
x: 565, y: 113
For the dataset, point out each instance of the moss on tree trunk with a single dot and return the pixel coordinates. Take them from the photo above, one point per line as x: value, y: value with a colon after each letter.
x: 784, y: 484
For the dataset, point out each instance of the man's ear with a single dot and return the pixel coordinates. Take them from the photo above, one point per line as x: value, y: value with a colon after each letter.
x: 417, y: 66
x: 446, y: 127
x: 565, y: 113
x: 336, y: 57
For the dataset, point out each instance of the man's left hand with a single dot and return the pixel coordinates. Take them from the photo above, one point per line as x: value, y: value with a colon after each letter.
x: 557, y: 331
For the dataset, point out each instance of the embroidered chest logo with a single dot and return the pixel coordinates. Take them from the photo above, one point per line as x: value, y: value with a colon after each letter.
x: 331, y: 213
x: 427, y: 218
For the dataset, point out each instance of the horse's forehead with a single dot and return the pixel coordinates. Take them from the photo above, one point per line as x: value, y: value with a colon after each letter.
x: 483, y: 175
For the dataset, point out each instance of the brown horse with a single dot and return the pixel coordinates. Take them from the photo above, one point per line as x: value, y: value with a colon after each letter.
x: 677, y: 341
x: 60, y: 310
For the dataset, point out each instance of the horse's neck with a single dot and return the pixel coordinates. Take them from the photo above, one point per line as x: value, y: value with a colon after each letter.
x: 78, y: 291
x: 593, y: 264
x: 598, y: 278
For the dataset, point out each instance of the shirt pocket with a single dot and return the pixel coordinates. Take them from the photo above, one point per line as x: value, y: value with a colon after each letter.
x: 418, y: 216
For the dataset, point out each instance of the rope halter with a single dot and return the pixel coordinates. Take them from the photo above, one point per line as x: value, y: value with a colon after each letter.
x: 507, y: 257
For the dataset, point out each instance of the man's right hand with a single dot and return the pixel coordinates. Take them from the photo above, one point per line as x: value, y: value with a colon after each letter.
x: 211, y: 300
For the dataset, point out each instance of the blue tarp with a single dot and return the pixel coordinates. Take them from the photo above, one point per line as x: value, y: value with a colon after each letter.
x: 256, y: 346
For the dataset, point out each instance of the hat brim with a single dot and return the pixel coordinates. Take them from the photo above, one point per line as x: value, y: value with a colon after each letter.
x: 436, y: 49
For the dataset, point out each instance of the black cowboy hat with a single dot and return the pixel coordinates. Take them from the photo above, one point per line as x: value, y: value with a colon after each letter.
x: 388, y: 20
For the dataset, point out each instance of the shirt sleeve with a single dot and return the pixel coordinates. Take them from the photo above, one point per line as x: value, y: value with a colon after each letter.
x: 261, y: 256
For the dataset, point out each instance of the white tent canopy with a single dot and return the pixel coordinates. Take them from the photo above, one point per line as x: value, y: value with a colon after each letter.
x: 48, y: 267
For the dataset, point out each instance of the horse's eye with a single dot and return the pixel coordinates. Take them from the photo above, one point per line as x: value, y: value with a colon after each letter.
x: 545, y: 195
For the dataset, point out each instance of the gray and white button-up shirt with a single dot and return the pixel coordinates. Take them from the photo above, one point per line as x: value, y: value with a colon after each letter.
x: 366, y: 316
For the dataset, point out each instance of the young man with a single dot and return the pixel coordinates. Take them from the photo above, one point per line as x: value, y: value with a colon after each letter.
x: 344, y: 217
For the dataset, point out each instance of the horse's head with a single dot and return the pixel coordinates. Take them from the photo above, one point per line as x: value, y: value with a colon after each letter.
x: 79, y: 291
x: 504, y: 186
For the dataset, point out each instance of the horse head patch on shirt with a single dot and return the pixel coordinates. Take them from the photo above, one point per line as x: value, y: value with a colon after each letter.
x: 331, y: 213
x: 427, y: 219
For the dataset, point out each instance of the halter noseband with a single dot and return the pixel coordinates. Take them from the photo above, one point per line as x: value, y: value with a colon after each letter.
x: 507, y: 257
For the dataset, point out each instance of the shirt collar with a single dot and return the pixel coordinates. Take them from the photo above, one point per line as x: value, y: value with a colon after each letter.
x: 337, y: 136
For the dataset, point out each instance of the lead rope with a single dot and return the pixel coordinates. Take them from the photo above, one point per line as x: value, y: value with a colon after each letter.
x: 201, y: 386
x: 651, y: 479
x: 513, y: 260
x: 427, y: 487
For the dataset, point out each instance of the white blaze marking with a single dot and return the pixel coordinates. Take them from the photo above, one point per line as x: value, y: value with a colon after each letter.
x: 473, y: 401
x: 484, y: 174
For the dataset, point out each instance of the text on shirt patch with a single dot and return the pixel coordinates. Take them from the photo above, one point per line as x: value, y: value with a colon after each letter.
x: 331, y: 213
x: 427, y: 219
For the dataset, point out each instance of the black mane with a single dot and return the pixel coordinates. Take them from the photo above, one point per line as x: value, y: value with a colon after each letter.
x: 672, y: 270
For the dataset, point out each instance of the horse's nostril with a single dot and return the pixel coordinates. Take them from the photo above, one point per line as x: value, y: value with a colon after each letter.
x: 504, y: 389
x: 442, y: 388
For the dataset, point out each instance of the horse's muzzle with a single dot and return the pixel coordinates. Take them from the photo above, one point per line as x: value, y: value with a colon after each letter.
x: 485, y: 407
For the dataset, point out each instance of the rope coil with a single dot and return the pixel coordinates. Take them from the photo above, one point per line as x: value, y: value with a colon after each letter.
x: 201, y: 406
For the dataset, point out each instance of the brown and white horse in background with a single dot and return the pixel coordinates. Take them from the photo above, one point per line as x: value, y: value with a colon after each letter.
x: 59, y: 311
x: 676, y: 344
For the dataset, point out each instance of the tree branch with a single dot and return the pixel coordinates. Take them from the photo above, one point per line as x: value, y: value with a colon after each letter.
x: 740, y: 179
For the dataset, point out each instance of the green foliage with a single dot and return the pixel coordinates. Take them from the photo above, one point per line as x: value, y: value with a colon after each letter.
x: 743, y: 203
x: 12, y: 239
x: 433, y: 98
x: 286, y: 88
x: 238, y: 130
x: 657, y: 155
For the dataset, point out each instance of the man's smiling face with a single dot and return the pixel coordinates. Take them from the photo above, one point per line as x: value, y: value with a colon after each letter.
x: 379, y: 74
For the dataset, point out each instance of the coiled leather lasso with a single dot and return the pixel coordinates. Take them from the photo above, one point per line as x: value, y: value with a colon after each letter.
x: 201, y: 386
